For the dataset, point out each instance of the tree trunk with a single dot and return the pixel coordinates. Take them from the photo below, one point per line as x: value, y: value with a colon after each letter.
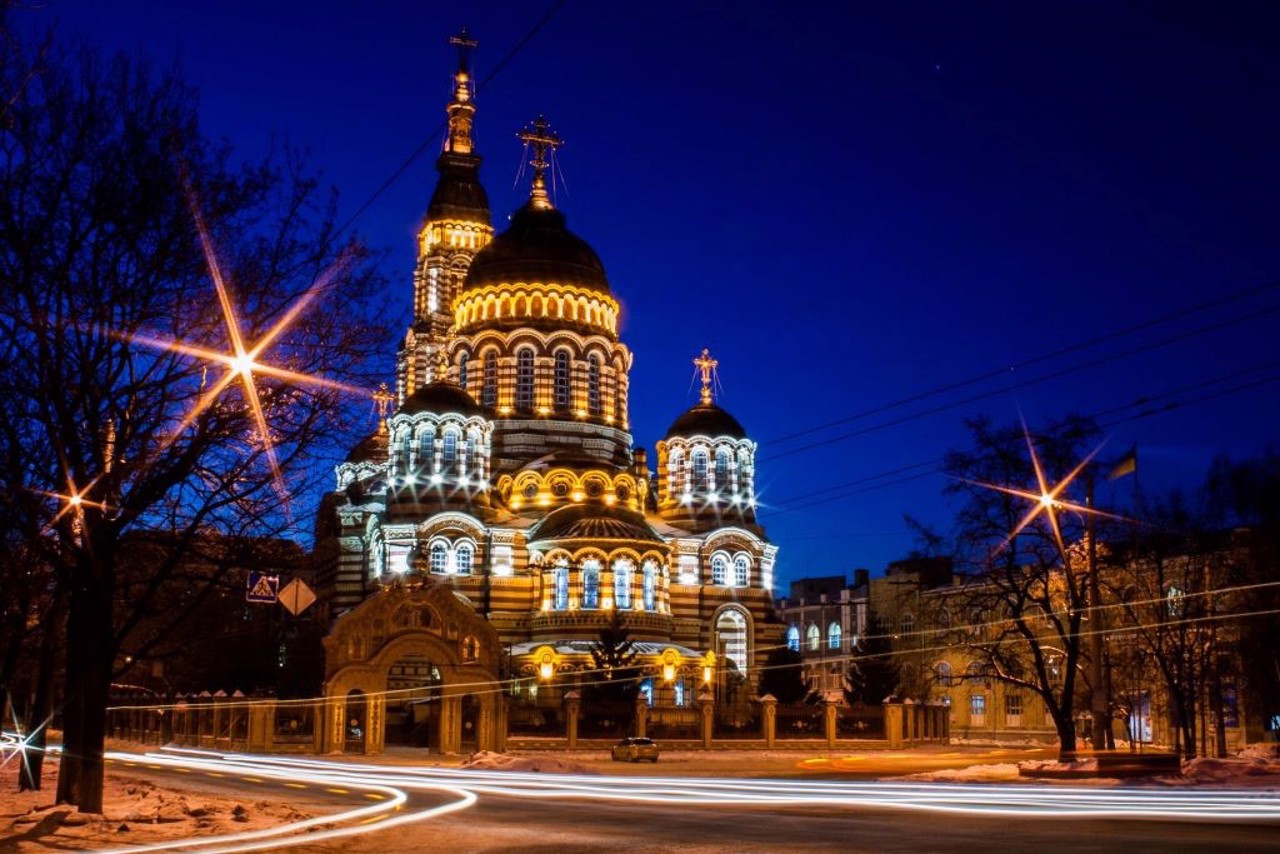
x: 90, y: 654
x: 40, y: 713
x: 1066, y: 727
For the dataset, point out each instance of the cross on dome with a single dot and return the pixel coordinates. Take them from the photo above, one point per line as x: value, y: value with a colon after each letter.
x: 543, y: 141
x: 707, y: 366
x: 382, y: 399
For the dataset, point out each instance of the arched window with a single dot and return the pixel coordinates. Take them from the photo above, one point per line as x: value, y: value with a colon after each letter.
x: 489, y: 390
x: 464, y: 559
x: 462, y: 370
x: 699, y: 469
x: 593, y: 384
x: 400, y: 451
x: 674, y: 463
x: 449, y: 453
x: 524, y: 380
x: 741, y: 571
x: 814, y: 637
x: 942, y: 673
x: 560, y: 587
x: 439, y: 556
x: 427, y: 456
x: 833, y: 636
x: 563, y: 387
x: 468, y: 453
x: 590, y: 584
x: 622, y: 583
x: 722, y: 468
x: 650, y: 586
x: 719, y: 569
x: 731, y: 636
x: 793, y: 638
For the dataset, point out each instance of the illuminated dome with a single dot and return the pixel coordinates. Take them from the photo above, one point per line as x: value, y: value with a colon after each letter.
x: 373, y: 449
x: 441, y: 398
x: 706, y: 419
x: 538, y: 248
x: 593, y: 522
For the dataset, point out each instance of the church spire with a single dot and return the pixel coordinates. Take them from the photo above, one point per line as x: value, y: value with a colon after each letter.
x: 462, y: 110
x: 543, y: 142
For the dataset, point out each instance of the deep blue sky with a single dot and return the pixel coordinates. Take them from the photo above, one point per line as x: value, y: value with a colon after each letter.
x: 849, y: 206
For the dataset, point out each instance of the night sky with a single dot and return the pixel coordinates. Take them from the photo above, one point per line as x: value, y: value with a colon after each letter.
x: 852, y: 207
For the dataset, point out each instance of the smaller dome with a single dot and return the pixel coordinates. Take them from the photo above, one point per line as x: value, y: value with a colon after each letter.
x: 441, y: 398
x: 593, y: 522
x: 373, y: 449
x: 706, y: 419
x: 538, y: 247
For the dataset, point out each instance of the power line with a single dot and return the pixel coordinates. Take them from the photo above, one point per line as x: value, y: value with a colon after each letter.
x: 436, y: 134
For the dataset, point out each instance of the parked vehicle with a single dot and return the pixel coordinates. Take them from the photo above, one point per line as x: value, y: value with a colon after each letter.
x: 635, y: 749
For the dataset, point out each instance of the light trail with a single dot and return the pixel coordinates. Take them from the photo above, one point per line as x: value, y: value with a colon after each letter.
x: 979, y: 800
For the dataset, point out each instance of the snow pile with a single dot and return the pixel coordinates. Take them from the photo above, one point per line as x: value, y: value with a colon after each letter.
x: 1004, y: 772
x: 489, y: 761
x: 1002, y: 742
x: 1207, y: 770
x: 1266, y: 750
x: 1079, y: 766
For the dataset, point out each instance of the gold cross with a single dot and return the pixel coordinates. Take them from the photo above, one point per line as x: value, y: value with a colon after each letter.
x: 544, y: 141
x: 382, y: 398
x: 707, y: 365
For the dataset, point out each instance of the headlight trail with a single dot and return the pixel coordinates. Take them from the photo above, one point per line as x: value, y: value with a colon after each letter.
x: 1007, y: 801
x: 382, y: 813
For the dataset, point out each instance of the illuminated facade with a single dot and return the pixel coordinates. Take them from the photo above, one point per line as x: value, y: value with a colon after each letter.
x: 507, y: 473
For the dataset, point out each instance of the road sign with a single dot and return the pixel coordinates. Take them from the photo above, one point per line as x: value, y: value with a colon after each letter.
x: 262, y: 588
x: 297, y: 596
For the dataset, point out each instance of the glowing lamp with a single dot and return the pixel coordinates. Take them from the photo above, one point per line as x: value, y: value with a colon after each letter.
x: 706, y: 673
x: 1047, y: 501
x: 669, y: 672
x: 435, y: 478
x: 610, y: 500
x: 582, y: 413
x: 546, y: 667
x: 687, y: 497
x: 462, y: 481
x: 515, y: 503
x: 504, y: 410
x: 577, y: 496
x: 544, y: 410
x: 75, y: 500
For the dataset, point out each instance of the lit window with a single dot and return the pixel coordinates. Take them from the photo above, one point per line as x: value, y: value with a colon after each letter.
x: 814, y: 637
x: 646, y: 690
x: 1176, y: 600
x: 722, y: 468
x: 462, y: 369
x: 449, y: 455
x: 468, y: 453
x: 793, y: 638
x: 674, y: 464
x: 622, y: 583
x: 590, y: 584
x: 741, y: 571
x: 524, y: 380
x: 679, y: 686
x: 439, y: 557
x: 978, y: 706
x: 560, y: 585
x: 563, y: 396
x: 464, y: 559
x: 650, y: 586
x: 942, y: 672
x: 731, y: 636
x: 833, y: 636
x: 699, y: 469
x: 593, y: 384
x: 719, y: 569
x: 1013, y: 705
x: 428, y: 458
x: 489, y: 391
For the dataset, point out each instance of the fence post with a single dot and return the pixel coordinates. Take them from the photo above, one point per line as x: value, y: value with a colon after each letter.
x: 770, y: 716
x: 829, y: 719
x: 262, y: 719
x: 572, y: 707
x: 642, y: 715
x: 893, y: 724
x: 707, y: 705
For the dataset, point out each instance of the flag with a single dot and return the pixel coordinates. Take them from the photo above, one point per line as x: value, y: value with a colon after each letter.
x: 1128, y: 465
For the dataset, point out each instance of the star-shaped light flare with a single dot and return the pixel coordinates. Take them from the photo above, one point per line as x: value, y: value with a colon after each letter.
x: 73, y: 501
x: 1047, y: 498
x: 243, y: 360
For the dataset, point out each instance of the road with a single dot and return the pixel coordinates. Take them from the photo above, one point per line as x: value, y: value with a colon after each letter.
x: 442, y: 809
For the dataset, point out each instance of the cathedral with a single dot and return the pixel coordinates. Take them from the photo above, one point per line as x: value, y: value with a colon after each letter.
x: 503, y: 476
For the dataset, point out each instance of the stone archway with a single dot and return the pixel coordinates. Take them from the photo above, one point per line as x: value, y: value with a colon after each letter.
x: 422, y: 659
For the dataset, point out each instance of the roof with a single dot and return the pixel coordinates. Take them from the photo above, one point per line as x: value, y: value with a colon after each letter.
x: 458, y: 193
x: 706, y: 419
x: 372, y: 449
x: 584, y: 647
x: 441, y: 398
x: 593, y: 522
x: 537, y: 247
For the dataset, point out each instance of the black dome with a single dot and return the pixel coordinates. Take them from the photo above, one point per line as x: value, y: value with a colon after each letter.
x: 372, y: 449
x: 440, y: 398
x: 707, y: 419
x: 458, y: 193
x: 538, y: 248
x: 593, y: 522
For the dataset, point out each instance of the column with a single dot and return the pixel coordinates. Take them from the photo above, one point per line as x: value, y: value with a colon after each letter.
x: 375, y: 729
x: 572, y: 708
x: 642, y: 715
x: 829, y: 719
x: 770, y: 704
x: 450, y: 723
x: 707, y: 706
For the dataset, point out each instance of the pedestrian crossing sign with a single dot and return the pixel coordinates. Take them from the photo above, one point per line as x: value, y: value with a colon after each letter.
x: 262, y: 588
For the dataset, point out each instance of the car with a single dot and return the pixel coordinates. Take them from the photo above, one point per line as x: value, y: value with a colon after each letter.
x: 635, y: 749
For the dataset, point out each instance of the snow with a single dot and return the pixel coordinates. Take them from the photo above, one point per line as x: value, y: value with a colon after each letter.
x: 137, y: 812
x: 490, y: 761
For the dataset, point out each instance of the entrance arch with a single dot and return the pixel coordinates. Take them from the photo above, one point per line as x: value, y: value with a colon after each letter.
x: 426, y: 665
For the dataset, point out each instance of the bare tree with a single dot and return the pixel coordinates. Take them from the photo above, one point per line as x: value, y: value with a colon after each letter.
x: 115, y: 212
x: 1021, y: 611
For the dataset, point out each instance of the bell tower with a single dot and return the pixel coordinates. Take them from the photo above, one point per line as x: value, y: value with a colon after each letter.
x: 456, y: 227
